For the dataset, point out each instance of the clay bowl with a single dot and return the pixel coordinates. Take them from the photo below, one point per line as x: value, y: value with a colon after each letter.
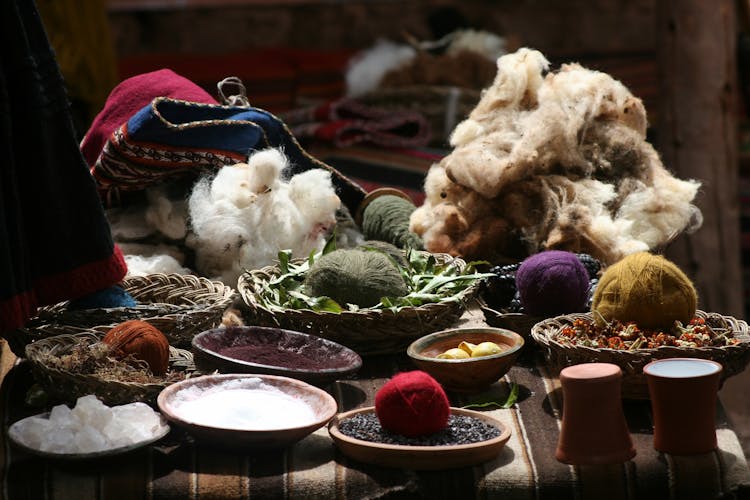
x: 466, y: 375
x: 419, y: 457
x: 275, y: 427
x: 248, y: 349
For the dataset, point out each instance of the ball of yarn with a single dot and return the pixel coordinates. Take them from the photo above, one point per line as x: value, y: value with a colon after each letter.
x: 114, y: 296
x: 412, y: 404
x: 387, y: 218
x: 355, y: 277
x: 398, y: 254
x: 551, y: 283
x: 141, y: 340
x: 647, y: 289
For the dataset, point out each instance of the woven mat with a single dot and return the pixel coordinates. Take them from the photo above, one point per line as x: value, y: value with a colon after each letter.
x: 178, y: 468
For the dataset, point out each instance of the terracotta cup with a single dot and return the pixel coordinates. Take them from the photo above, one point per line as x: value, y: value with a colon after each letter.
x: 683, y: 402
x: 594, y: 430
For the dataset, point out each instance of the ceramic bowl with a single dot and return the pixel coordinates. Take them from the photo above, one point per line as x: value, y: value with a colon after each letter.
x: 273, y: 351
x: 466, y: 375
x: 280, y: 412
x: 419, y: 457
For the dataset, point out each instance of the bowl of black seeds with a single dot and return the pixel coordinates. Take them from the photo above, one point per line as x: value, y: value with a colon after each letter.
x: 471, y: 437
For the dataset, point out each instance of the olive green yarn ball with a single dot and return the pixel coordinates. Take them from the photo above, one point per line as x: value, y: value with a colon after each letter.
x: 646, y: 289
x: 386, y: 218
x: 389, y: 249
x: 355, y: 277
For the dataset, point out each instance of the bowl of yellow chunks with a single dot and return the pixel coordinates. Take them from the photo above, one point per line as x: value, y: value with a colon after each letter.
x: 466, y: 359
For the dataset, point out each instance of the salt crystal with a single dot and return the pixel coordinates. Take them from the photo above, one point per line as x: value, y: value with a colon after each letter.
x: 59, y: 415
x: 90, y: 440
x: 90, y: 426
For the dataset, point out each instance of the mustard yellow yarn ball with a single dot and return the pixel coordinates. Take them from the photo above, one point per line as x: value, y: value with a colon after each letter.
x: 646, y: 289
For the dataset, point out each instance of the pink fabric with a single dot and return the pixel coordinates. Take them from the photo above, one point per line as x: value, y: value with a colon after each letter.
x: 129, y: 97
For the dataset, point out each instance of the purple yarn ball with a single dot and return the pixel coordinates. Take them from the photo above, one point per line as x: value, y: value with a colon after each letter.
x: 551, y: 283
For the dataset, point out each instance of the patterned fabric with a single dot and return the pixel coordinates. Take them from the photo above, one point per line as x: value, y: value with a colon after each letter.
x: 178, y: 468
x: 171, y: 138
x: 345, y: 122
x: 129, y: 97
x: 55, y: 243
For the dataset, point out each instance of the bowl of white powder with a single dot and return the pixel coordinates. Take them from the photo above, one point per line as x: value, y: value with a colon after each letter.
x: 247, y: 410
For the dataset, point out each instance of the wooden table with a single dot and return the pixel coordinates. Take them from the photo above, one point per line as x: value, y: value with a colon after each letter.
x: 179, y: 468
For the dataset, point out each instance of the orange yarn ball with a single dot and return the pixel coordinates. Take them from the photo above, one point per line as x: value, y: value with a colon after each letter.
x: 141, y: 340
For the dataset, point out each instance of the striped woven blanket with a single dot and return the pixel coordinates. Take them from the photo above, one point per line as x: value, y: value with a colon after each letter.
x: 179, y: 468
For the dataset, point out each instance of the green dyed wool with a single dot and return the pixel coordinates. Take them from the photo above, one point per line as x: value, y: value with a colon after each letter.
x: 389, y: 249
x: 355, y: 277
x: 387, y: 218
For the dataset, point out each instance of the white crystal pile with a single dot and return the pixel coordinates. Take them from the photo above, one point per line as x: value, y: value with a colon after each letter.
x: 89, y: 427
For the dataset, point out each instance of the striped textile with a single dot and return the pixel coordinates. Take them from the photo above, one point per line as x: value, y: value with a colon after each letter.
x: 178, y: 468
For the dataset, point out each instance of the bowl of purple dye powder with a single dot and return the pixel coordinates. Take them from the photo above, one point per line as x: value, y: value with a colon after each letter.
x: 274, y: 351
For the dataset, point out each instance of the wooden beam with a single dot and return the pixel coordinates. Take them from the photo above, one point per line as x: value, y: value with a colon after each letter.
x: 697, y: 137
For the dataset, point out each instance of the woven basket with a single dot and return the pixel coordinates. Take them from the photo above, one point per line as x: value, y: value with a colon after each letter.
x: 733, y: 358
x: 180, y: 305
x: 67, y: 386
x: 367, y: 332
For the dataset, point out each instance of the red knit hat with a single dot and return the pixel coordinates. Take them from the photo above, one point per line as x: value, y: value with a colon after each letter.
x: 412, y: 404
x: 129, y: 97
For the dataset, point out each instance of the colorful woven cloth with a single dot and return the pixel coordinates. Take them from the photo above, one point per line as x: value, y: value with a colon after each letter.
x: 171, y: 138
x: 129, y: 97
x: 345, y: 122
x: 55, y: 243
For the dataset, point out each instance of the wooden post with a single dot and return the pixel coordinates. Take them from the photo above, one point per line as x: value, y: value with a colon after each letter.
x: 697, y: 137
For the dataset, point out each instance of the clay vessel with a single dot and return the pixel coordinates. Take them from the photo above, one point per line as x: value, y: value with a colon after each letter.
x: 594, y: 430
x: 683, y: 402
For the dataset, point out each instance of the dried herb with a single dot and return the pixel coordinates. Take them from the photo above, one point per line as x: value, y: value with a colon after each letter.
x: 96, y: 359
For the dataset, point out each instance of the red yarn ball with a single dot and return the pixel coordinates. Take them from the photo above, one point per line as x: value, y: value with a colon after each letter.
x: 551, y: 283
x: 412, y: 404
x: 142, y: 341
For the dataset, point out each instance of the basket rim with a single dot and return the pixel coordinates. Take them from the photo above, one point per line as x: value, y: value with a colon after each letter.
x: 541, y: 332
x: 248, y: 278
x: 66, y: 340
x: 221, y: 291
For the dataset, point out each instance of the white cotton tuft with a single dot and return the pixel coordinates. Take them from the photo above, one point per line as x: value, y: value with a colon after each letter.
x: 165, y: 215
x: 139, y: 265
x: 246, y: 214
x: 368, y: 68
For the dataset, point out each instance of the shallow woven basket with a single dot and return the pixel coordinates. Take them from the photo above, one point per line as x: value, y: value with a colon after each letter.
x: 733, y: 358
x: 67, y: 386
x: 180, y: 305
x: 367, y: 332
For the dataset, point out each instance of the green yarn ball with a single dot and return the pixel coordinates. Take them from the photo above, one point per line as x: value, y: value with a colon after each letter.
x: 646, y: 289
x: 389, y: 249
x: 355, y: 277
x: 386, y: 218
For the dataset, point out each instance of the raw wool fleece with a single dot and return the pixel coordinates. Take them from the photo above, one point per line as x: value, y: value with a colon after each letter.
x: 466, y: 61
x: 241, y: 218
x: 553, y: 162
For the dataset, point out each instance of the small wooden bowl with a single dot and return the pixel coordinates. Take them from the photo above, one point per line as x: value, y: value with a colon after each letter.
x: 466, y: 375
x: 419, y: 457
x: 320, y: 402
x: 333, y: 361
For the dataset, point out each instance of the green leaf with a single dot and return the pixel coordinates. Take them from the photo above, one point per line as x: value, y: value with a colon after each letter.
x: 489, y: 403
x: 283, y: 257
x: 330, y: 245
